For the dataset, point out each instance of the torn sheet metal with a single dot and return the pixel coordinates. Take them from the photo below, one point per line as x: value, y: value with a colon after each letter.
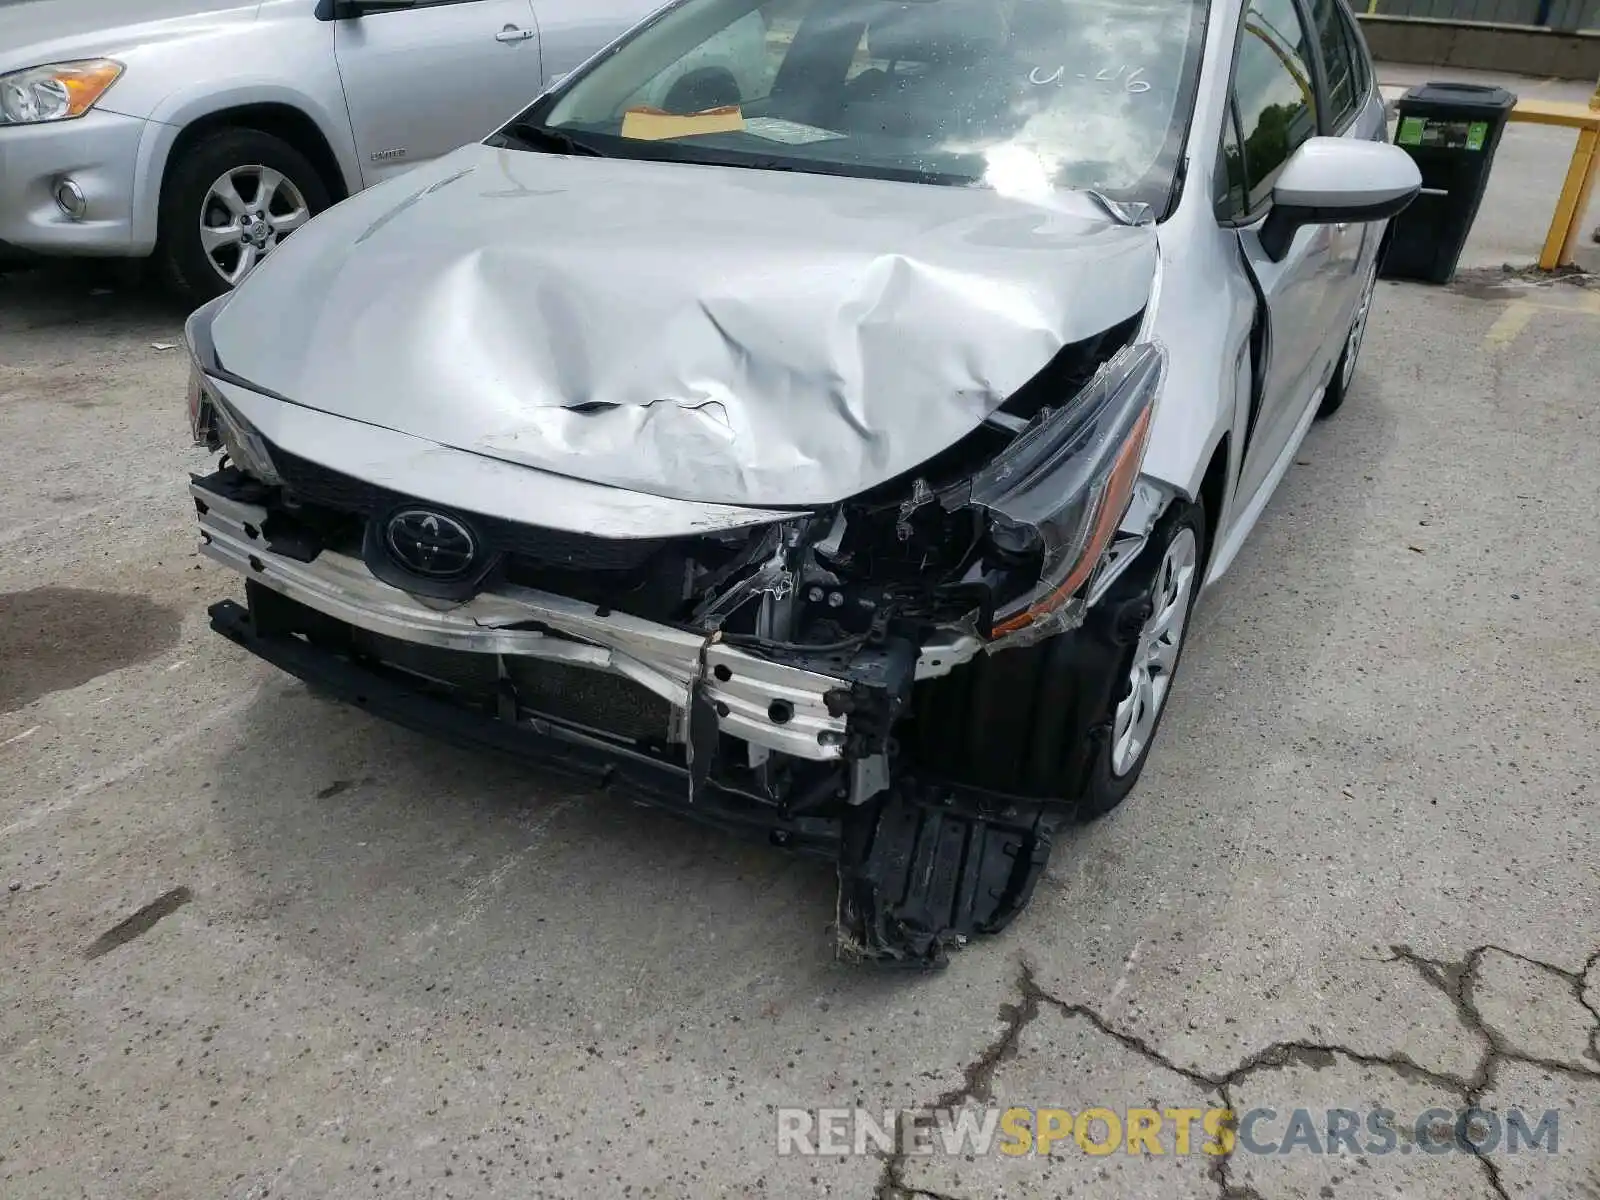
x: 765, y: 339
x: 1123, y: 211
x: 1150, y: 499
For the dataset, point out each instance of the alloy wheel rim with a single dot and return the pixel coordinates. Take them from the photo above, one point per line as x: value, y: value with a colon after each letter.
x: 246, y: 213
x: 1157, y: 655
x: 1352, y: 346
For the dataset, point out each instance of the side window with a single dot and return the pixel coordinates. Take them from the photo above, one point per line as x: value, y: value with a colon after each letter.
x: 1360, y: 61
x: 1273, y: 91
x: 1334, y: 40
x: 1229, y: 184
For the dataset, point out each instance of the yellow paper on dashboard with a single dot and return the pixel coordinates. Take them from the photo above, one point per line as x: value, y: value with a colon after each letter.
x: 654, y: 125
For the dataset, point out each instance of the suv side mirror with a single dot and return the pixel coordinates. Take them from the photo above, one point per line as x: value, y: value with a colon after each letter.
x: 1332, y: 180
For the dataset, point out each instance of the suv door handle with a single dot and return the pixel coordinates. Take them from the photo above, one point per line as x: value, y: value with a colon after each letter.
x: 512, y: 34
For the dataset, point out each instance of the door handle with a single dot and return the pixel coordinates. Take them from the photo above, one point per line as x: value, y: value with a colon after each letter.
x: 512, y: 34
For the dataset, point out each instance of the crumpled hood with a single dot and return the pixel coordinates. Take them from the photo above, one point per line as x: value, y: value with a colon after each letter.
x: 703, y: 333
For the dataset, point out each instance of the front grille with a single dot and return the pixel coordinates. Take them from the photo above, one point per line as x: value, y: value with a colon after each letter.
x: 576, y: 551
x: 598, y: 700
x: 607, y: 703
x: 314, y: 484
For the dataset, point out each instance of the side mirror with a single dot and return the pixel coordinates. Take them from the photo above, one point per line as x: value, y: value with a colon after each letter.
x: 1332, y: 180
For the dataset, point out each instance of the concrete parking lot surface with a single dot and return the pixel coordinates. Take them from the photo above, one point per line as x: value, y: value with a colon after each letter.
x: 255, y: 944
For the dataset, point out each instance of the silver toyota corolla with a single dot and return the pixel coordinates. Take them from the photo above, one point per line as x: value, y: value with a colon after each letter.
x: 204, y: 131
x: 835, y: 451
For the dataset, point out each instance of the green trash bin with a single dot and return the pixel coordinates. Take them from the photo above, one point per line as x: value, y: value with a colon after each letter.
x: 1452, y: 131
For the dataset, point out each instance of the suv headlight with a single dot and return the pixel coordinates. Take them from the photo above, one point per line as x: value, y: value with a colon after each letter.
x: 58, y: 92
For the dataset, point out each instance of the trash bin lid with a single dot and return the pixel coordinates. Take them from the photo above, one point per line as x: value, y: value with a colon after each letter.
x: 1441, y: 97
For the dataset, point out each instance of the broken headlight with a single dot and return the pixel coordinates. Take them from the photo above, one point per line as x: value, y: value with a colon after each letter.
x: 202, y: 410
x: 214, y: 422
x: 1057, y: 494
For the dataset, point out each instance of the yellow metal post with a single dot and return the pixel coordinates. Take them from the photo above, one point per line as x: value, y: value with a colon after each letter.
x: 1562, y: 240
x: 1594, y: 103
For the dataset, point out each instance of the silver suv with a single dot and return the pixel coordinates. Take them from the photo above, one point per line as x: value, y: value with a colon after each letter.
x: 202, y: 132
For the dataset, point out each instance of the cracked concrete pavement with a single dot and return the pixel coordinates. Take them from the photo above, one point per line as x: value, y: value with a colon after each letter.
x: 255, y: 944
x: 1545, y: 1035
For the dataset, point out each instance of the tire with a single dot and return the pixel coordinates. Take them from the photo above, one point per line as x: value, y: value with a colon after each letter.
x: 1108, y: 781
x: 1344, y: 370
x: 1035, y: 723
x: 187, y: 201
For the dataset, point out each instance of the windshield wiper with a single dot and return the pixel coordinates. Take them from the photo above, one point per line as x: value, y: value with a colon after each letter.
x: 539, y: 137
x: 732, y: 160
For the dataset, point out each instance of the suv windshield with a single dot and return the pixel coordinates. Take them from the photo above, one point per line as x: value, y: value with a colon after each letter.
x: 1014, y: 94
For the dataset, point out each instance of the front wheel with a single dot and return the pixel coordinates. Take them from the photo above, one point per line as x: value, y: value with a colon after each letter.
x: 1344, y: 372
x: 1166, y: 581
x: 1068, y: 723
x: 229, y: 201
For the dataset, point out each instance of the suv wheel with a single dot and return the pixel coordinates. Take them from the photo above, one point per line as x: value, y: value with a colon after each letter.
x: 228, y: 202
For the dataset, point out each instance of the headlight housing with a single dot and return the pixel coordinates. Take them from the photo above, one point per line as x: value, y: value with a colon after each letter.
x: 1061, y: 489
x: 202, y: 410
x: 215, y: 423
x: 57, y: 92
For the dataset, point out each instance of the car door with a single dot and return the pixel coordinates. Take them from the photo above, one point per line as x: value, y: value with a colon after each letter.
x: 421, y: 80
x: 1351, y: 109
x: 572, y: 30
x: 1274, y: 110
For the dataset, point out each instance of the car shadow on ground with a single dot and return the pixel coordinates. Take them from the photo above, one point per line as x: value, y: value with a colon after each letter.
x: 105, y: 296
x: 437, y: 875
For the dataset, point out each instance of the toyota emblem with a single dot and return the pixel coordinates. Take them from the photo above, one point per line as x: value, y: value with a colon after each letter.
x: 430, y: 544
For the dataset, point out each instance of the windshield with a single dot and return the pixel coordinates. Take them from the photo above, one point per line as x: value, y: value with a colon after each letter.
x: 1007, y: 93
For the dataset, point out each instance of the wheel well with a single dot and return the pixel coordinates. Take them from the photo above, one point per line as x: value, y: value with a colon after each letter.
x: 1383, y: 244
x: 1214, y: 491
x: 281, y: 121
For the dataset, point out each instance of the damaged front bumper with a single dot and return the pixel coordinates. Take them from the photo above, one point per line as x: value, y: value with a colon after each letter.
x: 767, y: 704
x: 773, y: 706
x: 736, y: 740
